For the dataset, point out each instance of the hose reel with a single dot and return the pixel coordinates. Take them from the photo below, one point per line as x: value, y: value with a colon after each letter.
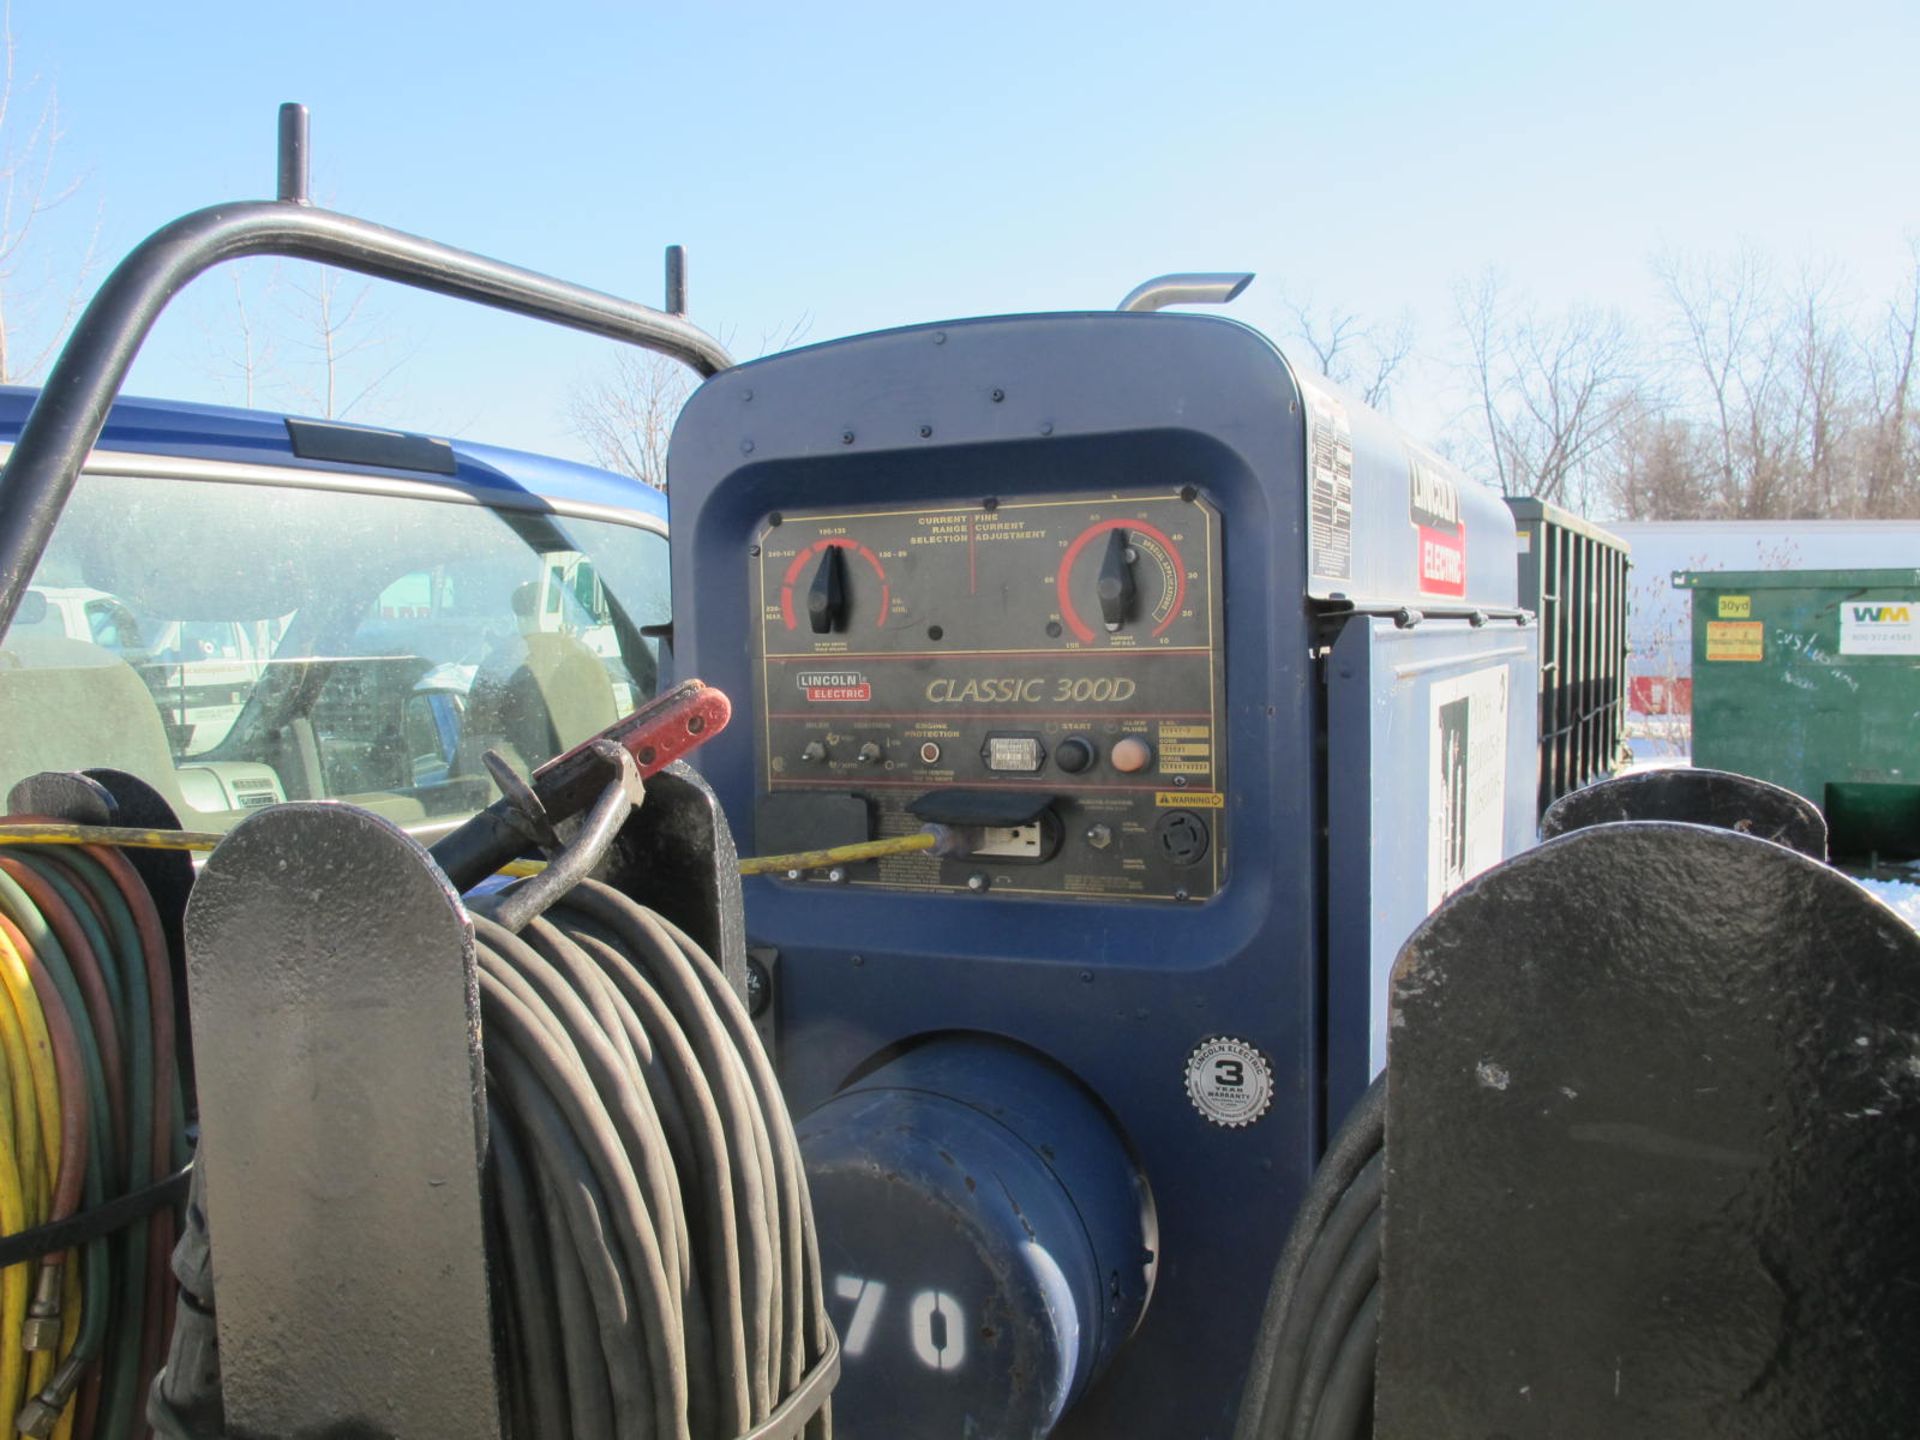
x: 515, y: 1166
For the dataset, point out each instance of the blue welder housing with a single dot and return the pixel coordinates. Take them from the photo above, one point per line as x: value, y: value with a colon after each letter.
x: 1364, y: 759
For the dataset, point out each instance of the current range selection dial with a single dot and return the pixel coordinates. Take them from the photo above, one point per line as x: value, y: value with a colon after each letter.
x: 1122, y: 578
x: 832, y: 582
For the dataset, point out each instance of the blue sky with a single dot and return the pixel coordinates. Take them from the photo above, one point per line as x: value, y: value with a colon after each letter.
x: 858, y: 166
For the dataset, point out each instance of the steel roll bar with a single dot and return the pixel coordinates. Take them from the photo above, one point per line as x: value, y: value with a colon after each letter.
x: 66, y: 421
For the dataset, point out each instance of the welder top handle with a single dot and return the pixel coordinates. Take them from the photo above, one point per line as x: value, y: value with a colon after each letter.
x: 665, y: 729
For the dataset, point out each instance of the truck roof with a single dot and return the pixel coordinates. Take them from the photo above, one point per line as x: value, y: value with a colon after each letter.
x: 221, y: 432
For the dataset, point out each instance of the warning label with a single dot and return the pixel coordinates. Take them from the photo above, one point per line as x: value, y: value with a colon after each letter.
x: 1329, y: 486
x: 1467, y: 779
x: 1736, y: 640
x: 1189, y: 800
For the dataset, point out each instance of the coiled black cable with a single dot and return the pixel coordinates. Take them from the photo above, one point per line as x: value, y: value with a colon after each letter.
x: 1311, y: 1377
x: 656, y: 1271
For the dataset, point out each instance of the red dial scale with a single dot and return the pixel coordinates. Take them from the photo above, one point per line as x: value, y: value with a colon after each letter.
x: 1146, y: 541
x: 798, y: 569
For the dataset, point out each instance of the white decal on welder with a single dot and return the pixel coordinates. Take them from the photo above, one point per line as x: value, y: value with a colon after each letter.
x: 939, y: 1330
x: 866, y: 1296
x: 1329, y: 483
x: 1466, y: 779
x: 1229, y: 1081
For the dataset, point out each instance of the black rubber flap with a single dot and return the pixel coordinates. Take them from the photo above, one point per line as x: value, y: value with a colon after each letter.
x: 787, y: 824
x: 1698, y: 797
x: 980, y: 807
x: 1653, y: 1113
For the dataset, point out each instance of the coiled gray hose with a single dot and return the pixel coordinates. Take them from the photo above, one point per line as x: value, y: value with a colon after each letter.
x: 1311, y: 1377
x: 656, y: 1269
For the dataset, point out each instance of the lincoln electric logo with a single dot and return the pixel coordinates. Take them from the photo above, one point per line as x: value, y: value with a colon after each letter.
x: 1882, y: 615
x: 1433, y: 504
x: 831, y: 685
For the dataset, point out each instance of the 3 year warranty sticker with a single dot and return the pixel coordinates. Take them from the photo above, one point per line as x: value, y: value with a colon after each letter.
x: 1229, y: 1081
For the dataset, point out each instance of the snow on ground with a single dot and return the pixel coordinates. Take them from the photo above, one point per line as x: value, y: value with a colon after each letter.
x: 1902, y: 895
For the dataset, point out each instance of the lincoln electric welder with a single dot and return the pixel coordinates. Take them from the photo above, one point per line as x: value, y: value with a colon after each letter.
x: 1209, y: 685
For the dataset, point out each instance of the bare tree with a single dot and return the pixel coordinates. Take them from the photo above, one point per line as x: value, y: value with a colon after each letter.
x: 32, y: 301
x: 352, y: 350
x: 1553, y: 391
x: 625, y: 413
x: 1822, y: 358
x: 1804, y: 413
x: 1890, y: 453
x: 1659, y: 470
x: 242, y: 349
x: 1736, y: 362
x: 1352, y: 352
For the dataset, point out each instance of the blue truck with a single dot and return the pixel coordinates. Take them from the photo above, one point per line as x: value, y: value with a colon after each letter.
x: 318, y: 610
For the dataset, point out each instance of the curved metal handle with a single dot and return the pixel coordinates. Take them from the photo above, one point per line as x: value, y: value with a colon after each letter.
x: 1194, y: 288
x: 73, y: 405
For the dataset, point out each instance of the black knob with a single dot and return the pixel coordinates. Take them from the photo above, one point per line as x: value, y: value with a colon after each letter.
x: 1115, y: 587
x: 827, y: 595
x: 1074, y: 754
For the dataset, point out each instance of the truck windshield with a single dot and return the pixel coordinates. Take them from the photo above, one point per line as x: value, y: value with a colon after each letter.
x: 236, y: 643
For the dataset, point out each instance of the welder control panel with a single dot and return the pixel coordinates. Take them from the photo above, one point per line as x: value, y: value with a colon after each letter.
x: 1041, y: 675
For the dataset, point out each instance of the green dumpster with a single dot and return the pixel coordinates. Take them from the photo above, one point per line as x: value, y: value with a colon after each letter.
x: 1811, y: 679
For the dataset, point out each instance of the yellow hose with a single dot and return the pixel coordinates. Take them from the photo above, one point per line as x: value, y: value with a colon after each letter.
x: 23, y: 1031
x: 16, y: 1280
x: 23, y: 1120
x: 205, y: 840
x: 37, y: 1047
x: 126, y: 836
x: 840, y: 854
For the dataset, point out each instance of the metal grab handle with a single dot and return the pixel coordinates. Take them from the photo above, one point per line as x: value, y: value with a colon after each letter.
x: 72, y: 408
